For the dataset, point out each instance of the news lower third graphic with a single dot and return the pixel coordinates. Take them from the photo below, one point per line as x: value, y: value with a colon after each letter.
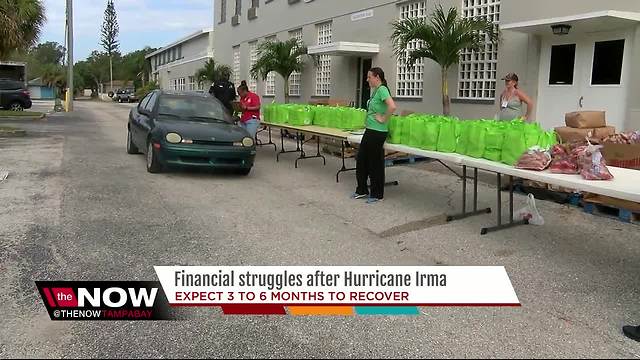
x: 104, y: 300
x: 282, y: 290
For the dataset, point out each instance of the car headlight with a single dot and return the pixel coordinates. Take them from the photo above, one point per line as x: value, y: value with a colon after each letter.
x: 173, y: 138
x: 248, y: 142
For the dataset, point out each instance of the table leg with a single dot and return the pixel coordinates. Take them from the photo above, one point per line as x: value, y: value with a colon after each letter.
x: 475, y: 211
x: 303, y: 155
x: 282, y: 149
x: 260, y: 143
x: 344, y: 167
x: 511, y: 223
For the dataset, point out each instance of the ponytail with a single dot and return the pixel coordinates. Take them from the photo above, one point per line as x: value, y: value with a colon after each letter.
x: 243, y: 86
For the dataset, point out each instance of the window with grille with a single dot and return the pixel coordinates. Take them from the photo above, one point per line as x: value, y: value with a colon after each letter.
x: 409, y: 79
x: 270, y: 83
x: 323, y: 71
x: 253, y: 57
x: 295, y: 78
x: 181, y: 84
x: 192, y: 83
x: 223, y: 11
x: 236, y: 65
x: 478, y: 70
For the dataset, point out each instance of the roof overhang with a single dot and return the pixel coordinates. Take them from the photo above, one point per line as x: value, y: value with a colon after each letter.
x: 580, y: 23
x: 343, y: 48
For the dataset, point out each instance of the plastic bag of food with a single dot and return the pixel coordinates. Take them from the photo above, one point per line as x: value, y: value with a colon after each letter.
x: 534, y: 159
x: 592, y: 163
x: 530, y: 212
x: 563, y: 160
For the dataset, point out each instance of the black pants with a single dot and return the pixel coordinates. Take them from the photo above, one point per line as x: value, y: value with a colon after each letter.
x: 370, y: 163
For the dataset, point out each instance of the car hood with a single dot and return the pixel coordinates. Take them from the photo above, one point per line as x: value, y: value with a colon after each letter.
x: 204, y: 131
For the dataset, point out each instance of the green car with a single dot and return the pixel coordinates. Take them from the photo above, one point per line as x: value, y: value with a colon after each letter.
x: 188, y: 130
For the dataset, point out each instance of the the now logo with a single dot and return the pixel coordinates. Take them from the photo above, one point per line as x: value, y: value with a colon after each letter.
x: 104, y: 300
x: 137, y: 296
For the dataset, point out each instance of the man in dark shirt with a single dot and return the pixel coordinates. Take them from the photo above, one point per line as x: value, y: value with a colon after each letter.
x: 225, y: 91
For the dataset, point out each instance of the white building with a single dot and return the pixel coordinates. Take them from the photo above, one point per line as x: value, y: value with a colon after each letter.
x: 174, y: 66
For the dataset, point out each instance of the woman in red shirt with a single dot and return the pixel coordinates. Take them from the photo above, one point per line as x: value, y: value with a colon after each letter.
x: 250, y: 106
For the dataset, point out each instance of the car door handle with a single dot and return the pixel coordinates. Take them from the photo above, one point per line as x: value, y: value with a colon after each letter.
x: 581, y: 101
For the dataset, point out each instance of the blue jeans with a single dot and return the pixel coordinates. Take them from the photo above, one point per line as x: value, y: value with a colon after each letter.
x: 251, y: 126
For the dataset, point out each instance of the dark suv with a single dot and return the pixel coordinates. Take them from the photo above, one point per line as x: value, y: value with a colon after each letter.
x: 125, y: 95
x: 14, y: 96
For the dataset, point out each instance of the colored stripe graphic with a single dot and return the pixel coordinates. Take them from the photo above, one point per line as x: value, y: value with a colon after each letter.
x: 47, y: 294
x: 387, y: 310
x: 321, y: 310
x: 243, y: 309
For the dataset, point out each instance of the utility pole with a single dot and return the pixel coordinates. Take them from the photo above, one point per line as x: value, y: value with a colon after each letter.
x: 70, y: 55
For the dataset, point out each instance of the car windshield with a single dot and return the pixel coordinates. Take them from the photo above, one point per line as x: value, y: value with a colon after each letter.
x: 192, y: 108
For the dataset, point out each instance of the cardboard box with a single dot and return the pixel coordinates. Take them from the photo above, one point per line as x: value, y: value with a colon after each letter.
x: 622, y: 155
x: 585, y: 119
x: 569, y: 134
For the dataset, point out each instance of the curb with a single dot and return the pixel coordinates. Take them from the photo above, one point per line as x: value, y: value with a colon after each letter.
x: 22, y: 118
x: 12, y: 133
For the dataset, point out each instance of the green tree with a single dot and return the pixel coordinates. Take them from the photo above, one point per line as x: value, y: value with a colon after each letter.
x: 134, y: 66
x: 21, y: 22
x: 442, y: 38
x: 212, y: 72
x: 283, y: 57
x: 55, y: 76
x: 109, y: 35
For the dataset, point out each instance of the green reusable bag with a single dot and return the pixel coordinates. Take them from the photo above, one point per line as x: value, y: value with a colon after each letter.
x: 431, y: 133
x: 395, y: 129
x: 265, y: 113
x: 514, y: 144
x: 548, y: 139
x: 294, y: 116
x: 347, y: 118
x: 477, y: 139
x: 463, y: 136
x: 447, y: 140
x: 532, y: 133
x: 276, y: 115
x: 306, y: 114
x: 359, y: 119
x: 405, y: 132
x: 320, y: 116
x: 416, y: 134
x: 494, y: 139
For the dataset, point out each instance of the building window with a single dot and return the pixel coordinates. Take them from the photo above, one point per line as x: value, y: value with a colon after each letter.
x: 295, y: 78
x: 192, y: 83
x: 255, y: 3
x: 478, y: 70
x: 173, y: 84
x: 323, y: 72
x: 236, y: 65
x: 270, y: 83
x: 607, y: 62
x: 563, y: 58
x: 409, y: 79
x: 223, y: 11
x: 179, y: 52
x: 238, y: 7
x: 182, y: 84
x: 253, y: 57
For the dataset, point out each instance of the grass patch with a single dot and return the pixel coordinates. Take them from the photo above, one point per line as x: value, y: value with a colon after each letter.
x: 9, y: 113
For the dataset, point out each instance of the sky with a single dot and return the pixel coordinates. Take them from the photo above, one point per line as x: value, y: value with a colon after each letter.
x: 142, y: 22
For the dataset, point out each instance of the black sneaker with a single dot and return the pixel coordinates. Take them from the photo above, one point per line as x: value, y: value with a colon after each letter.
x: 632, y: 332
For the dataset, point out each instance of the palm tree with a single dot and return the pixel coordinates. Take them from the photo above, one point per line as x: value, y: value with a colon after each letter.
x: 21, y: 22
x: 213, y: 72
x: 283, y: 57
x: 443, y: 38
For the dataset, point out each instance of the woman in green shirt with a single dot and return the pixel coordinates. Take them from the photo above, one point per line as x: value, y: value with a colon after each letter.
x: 370, y: 159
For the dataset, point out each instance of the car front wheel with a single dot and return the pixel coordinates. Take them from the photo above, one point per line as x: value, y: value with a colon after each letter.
x: 131, y: 147
x: 16, y: 106
x: 244, y: 172
x: 153, y: 164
